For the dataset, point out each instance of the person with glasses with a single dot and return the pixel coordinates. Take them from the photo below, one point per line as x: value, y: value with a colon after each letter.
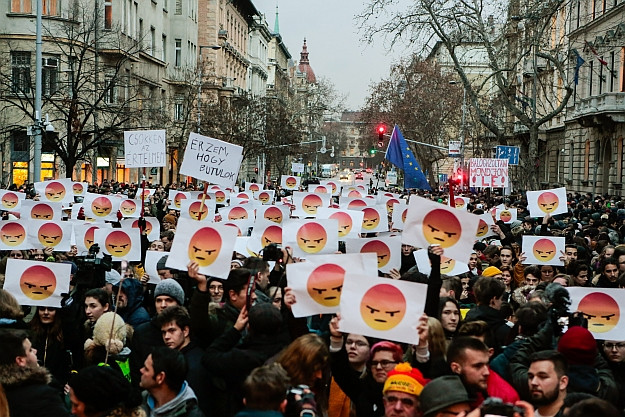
x: 614, y: 352
x: 402, y: 390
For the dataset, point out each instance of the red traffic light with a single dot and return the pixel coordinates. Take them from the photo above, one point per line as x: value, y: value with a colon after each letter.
x: 381, y: 129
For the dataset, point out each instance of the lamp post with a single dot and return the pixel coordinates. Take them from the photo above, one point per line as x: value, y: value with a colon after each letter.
x: 200, y: 82
x: 38, y: 70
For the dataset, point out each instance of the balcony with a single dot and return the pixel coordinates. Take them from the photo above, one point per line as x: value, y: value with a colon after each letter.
x: 592, y: 111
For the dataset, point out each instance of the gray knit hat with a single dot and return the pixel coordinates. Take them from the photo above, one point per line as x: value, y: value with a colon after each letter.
x: 170, y: 287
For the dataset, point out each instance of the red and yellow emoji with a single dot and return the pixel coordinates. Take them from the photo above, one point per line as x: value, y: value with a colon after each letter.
x: 291, y: 182
x: 381, y: 250
x: 447, y: 265
x: 548, y: 202
x: 505, y: 216
x: 345, y: 222
x: 78, y: 188
x: 178, y: 199
x: 101, y: 206
x: 128, y: 208
x: 273, y: 214
x: 325, y: 283
x: 254, y: 188
x: 390, y: 203
x: 204, y: 246
x: 148, y: 226
x: 459, y: 202
x: 12, y: 234
x: 220, y: 196
x: 354, y: 193
x: 41, y: 211
x: 311, y: 203
x: 383, y: 307
x: 89, y: 236
x: 198, y: 210
x: 601, y: 310
x: 311, y: 237
x: 370, y: 219
x: 441, y: 227
x: 118, y: 244
x: 50, y: 234
x: 321, y: 190
x: 10, y: 200
x: 55, y: 191
x: 272, y: 234
x: 356, y: 204
x: 38, y: 282
x: 482, y: 229
x: 237, y: 213
x: 544, y: 250
x: 403, y: 215
x: 264, y: 197
x: 236, y: 226
x: 146, y: 193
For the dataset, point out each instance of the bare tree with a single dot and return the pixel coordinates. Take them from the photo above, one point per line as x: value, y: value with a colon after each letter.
x: 518, y: 38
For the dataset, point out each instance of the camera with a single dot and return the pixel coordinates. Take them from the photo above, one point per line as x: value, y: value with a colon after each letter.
x: 272, y: 252
x: 91, y: 269
x: 304, y: 406
x: 495, y: 407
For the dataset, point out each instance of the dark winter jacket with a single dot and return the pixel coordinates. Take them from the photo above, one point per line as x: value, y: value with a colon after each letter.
x: 183, y: 405
x: 496, y: 323
x: 28, y: 392
x: 209, y: 326
x: 197, y: 376
x: 134, y: 313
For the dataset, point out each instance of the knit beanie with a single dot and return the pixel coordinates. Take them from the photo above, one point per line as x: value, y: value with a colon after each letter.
x: 405, y: 378
x: 578, y: 346
x: 160, y: 265
x: 171, y: 288
x: 265, y: 318
x: 491, y: 271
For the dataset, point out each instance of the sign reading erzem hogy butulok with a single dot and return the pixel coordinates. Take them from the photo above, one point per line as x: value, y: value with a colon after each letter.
x: 212, y: 160
x: 145, y: 148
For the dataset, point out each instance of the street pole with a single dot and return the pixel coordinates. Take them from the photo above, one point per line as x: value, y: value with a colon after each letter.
x: 38, y: 124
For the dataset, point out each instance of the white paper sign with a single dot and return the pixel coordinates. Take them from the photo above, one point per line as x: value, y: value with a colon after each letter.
x: 507, y: 215
x: 35, y: 283
x: 380, y: 307
x: 101, y: 207
x: 290, y: 182
x: 210, y: 245
x: 483, y: 229
x: 349, y: 221
x: 151, y: 260
x: 276, y: 213
x: 14, y: 235
x: 212, y: 160
x: 602, y: 308
x: 84, y: 236
x: 10, y: 200
x: 543, y: 250
x: 145, y: 148
x: 56, y: 191
x: 198, y: 211
x: 375, y: 219
x: 449, y: 266
x: 307, y: 203
x: 488, y: 172
x: 550, y: 202
x: 387, y: 250
x: 264, y: 233
x: 265, y: 196
x: 311, y: 237
x: 40, y: 210
x: 49, y: 234
x: 121, y: 244
x: 399, y: 215
x: 297, y: 167
x: 318, y: 282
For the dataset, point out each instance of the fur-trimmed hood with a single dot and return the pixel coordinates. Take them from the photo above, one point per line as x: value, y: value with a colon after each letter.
x: 13, y: 376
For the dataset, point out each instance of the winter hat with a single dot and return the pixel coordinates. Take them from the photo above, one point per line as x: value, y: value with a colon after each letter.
x: 405, y: 378
x: 171, y: 288
x: 442, y: 392
x: 160, y: 265
x: 265, y: 318
x: 491, y: 271
x: 578, y: 346
x: 112, y: 277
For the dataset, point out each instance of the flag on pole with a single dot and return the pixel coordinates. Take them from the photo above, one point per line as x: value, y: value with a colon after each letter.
x: 601, y: 60
x: 399, y: 154
x: 579, y: 61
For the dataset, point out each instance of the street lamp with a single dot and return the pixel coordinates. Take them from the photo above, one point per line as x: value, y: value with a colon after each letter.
x: 200, y: 82
x: 463, y: 123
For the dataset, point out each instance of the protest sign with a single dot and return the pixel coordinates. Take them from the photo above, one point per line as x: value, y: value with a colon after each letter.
x: 101, y: 207
x: 10, y: 200
x: 384, y: 308
x: 602, y: 308
x: 552, y: 202
x: 290, y: 182
x: 130, y: 208
x: 387, y: 249
x: 121, y: 244
x: 318, y: 282
x: 484, y: 228
x: 13, y: 235
x: 307, y: 203
x: 152, y: 258
x: 350, y: 221
x: 145, y: 148
x: 449, y: 266
x: 336, y: 188
x: 37, y: 210
x: 265, y: 232
x: 399, y: 215
x: 274, y: 213
x: 375, y: 219
x: 56, y: 191
x: 543, y: 250
x: 35, y: 283
x: 311, y: 237
x: 196, y: 210
x: 506, y: 215
x: 265, y: 196
x: 297, y: 167
x: 212, y: 160
x: 49, y: 234
x: 84, y: 235
x: 488, y: 172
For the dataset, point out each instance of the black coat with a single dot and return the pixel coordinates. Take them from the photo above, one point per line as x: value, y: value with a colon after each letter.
x: 29, y: 394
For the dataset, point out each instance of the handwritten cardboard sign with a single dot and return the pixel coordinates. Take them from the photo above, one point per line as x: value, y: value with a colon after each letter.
x: 212, y: 160
x: 145, y: 148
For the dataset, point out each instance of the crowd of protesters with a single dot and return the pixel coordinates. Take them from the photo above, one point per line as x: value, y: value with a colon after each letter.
x: 491, y: 340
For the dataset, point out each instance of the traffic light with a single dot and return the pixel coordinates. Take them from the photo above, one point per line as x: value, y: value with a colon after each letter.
x: 256, y: 170
x: 381, y: 130
x: 372, y: 151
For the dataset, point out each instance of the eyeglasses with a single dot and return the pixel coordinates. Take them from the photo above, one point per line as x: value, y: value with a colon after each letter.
x: 406, y: 402
x: 383, y: 363
x: 358, y: 343
x: 216, y: 288
x: 611, y: 346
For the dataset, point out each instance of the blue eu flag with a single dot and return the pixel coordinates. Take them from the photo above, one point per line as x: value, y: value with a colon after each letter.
x: 400, y: 155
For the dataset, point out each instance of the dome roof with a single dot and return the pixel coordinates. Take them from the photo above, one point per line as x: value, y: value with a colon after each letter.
x: 304, y: 65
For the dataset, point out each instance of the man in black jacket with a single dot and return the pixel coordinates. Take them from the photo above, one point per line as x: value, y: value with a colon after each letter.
x: 24, y: 381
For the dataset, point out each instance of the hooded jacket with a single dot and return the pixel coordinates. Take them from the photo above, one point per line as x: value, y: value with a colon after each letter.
x: 28, y: 392
x: 134, y: 313
x: 183, y: 405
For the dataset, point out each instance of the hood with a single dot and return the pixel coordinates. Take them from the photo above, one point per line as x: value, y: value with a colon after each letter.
x: 185, y: 399
x: 13, y: 376
x: 134, y: 291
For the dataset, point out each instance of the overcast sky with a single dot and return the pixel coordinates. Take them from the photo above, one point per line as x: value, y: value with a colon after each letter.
x: 335, y: 50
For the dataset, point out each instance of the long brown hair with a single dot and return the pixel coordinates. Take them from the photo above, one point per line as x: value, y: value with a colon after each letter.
x: 40, y: 330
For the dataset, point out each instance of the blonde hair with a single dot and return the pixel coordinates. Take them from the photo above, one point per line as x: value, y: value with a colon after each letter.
x: 436, y: 338
x: 9, y: 307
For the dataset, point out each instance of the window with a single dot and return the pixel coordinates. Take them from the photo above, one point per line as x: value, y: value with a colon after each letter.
x: 50, y: 8
x: 178, y: 7
x: 152, y: 41
x: 164, y: 48
x: 178, y: 109
x: 110, y: 89
x: 590, y: 77
x: 587, y: 160
x: 612, y: 71
x: 21, y: 6
x: 20, y: 72
x: 178, y: 57
x: 108, y: 14
x: 50, y: 76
